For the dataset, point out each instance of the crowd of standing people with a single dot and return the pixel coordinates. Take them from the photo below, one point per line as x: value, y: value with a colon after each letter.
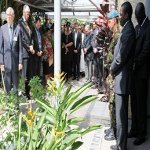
x: 114, y: 59
x: 25, y: 51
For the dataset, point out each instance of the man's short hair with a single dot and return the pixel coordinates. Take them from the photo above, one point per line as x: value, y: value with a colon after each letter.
x: 26, y: 8
x: 68, y: 24
x: 88, y: 27
x: 10, y: 9
x: 37, y: 18
x: 127, y: 8
x: 140, y: 9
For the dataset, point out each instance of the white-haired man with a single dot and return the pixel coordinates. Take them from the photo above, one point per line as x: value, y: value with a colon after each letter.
x: 10, y: 51
x: 27, y: 47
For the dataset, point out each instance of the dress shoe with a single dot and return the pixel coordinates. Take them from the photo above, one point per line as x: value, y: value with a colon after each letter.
x: 132, y: 135
x: 109, y: 137
x: 107, y: 131
x: 114, y: 147
x: 100, y: 91
x: 88, y: 81
x: 139, y: 141
x: 94, y: 86
x: 73, y: 78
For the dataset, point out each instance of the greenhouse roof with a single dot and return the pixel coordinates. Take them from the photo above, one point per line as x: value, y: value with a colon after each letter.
x: 66, y: 5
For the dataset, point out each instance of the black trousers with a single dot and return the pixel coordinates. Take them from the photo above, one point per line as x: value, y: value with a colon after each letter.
x: 121, y: 120
x: 98, y: 69
x: 26, y: 75
x: 139, y: 107
x: 76, y: 65
x: 36, y: 66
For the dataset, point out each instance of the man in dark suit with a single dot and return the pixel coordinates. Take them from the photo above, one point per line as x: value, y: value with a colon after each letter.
x: 76, y: 52
x: 37, y: 46
x: 28, y: 50
x: 10, y: 52
x: 96, y: 64
x: 121, y: 69
x: 141, y: 74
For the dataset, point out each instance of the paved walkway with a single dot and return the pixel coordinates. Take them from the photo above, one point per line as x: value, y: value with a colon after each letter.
x: 97, y: 113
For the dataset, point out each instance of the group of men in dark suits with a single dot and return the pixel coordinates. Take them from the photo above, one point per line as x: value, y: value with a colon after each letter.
x: 20, y: 50
x: 130, y: 69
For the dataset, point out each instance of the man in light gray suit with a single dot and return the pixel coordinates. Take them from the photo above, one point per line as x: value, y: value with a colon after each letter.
x: 121, y: 69
x: 88, y: 53
x: 10, y: 51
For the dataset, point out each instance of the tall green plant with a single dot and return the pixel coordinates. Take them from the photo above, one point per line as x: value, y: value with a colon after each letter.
x: 50, y: 126
x: 59, y: 106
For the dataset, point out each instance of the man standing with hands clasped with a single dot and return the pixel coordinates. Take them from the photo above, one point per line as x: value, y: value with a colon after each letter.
x: 141, y: 75
x: 28, y: 50
x: 10, y: 52
x: 121, y: 69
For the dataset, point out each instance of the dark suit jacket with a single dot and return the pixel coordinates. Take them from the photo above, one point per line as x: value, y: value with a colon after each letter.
x: 122, y: 64
x: 142, y: 50
x: 35, y: 40
x: 78, y: 42
x: 10, y: 52
x: 26, y: 38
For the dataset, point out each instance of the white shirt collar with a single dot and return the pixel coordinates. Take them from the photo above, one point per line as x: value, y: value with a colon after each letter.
x: 126, y: 23
x: 143, y: 21
x: 10, y: 25
x: 24, y: 19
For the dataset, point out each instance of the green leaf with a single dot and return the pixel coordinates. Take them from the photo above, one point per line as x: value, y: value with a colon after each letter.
x: 45, y: 105
x: 76, y: 94
x: 69, y: 140
x: 66, y: 93
x: 81, y: 102
x: 41, y: 121
x: 72, y: 97
x: 51, y: 142
x: 75, y: 121
x: 19, y: 132
x: 76, y: 145
x: 50, y: 119
x: 91, y: 128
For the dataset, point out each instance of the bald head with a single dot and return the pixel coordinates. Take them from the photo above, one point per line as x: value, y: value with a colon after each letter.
x: 140, y: 12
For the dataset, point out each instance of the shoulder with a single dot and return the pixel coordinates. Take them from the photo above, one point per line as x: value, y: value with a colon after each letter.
x: 20, y: 21
x: 3, y: 27
x: 128, y: 30
x: 17, y: 26
x: 148, y: 26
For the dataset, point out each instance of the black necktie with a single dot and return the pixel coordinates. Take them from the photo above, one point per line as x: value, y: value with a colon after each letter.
x: 10, y: 33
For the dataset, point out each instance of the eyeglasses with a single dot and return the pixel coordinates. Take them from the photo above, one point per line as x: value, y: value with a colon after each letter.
x: 10, y: 14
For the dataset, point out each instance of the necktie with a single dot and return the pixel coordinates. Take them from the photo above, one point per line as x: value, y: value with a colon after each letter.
x: 10, y: 33
x: 39, y: 39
